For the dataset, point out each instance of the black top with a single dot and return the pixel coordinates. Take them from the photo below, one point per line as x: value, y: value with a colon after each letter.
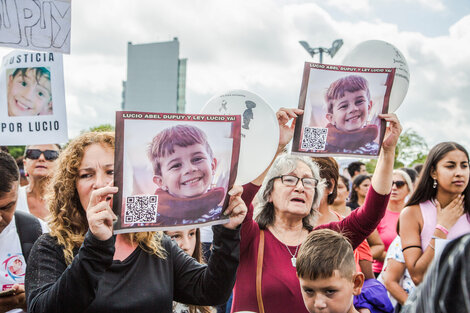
x: 141, y: 283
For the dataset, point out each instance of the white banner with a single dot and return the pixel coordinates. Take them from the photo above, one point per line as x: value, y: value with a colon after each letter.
x: 32, y: 99
x: 36, y: 24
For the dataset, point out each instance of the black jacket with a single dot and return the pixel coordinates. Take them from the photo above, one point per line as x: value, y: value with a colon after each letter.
x: 141, y: 283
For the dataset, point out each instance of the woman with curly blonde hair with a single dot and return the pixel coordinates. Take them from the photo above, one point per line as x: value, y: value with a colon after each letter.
x: 80, y: 266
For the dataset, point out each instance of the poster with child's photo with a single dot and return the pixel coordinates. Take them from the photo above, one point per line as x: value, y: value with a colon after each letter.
x: 32, y: 99
x: 341, y: 106
x: 173, y: 170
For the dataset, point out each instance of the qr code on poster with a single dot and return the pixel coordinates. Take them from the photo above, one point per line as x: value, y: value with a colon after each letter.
x: 141, y: 209
x: 314, y: 138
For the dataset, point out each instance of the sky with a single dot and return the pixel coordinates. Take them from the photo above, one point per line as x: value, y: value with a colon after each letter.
x: 253, y: 45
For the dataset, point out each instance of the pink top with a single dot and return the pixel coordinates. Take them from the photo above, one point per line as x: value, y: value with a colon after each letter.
x: 429, y: 213
x: 388, y: 231
x: 280, y: 286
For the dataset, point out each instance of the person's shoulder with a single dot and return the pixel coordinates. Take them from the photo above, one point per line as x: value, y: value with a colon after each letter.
x: 28, y: 224
x: 411, y: 210
x: 169, y: 246
x: 47, y: 240
x: 411, y: 215
x: 166, y: 241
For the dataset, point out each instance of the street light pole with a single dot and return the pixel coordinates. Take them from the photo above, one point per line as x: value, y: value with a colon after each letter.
x: 336, y: 45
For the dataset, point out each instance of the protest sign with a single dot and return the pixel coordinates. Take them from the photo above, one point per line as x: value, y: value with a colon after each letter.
x: 35, y: 25
x: 32, y: 99
x: 173, y: 170
x: 341, y: 106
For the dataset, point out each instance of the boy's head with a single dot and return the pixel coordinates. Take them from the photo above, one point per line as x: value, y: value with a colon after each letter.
x: 29, y: 92
x: 348, y: 102
x: 327, y: 272
x: 183, y: 161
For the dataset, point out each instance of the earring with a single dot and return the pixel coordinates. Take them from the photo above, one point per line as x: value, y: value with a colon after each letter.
x: 164, y: 188
x: 434, y: 184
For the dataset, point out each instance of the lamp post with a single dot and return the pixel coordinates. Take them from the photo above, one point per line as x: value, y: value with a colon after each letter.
x: 335, y: 46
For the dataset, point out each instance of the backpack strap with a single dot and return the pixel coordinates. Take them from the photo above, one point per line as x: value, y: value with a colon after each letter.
x: 29, y: 229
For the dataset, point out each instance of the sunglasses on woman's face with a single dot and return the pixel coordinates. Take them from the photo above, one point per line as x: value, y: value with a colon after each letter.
x: 35, y: 154
x: 398, y: 183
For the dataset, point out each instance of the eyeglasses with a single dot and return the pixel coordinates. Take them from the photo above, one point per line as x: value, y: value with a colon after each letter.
x: 35, y: 154
x: 291, y: 181
x: 398, y: 183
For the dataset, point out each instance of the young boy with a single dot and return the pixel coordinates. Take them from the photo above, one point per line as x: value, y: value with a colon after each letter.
x: 184, y: 167
x: 327, y: 273
x: 29, y: 92
x: 348, y: 105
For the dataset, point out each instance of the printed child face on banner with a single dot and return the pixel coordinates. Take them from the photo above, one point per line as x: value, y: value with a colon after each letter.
x: 29, y: 92
x: 348, y: 101
x: 183, y: 161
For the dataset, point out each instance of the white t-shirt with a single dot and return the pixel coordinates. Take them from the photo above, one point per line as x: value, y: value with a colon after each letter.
x: 22, y: 205
x: 22, y: 202
x: 12, y: 262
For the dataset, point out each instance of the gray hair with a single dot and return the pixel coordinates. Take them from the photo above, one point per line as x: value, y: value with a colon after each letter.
x: 283, y: 165
x: 407, y: 179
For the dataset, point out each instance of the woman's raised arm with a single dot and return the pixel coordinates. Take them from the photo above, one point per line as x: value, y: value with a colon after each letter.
x: 382, y: 178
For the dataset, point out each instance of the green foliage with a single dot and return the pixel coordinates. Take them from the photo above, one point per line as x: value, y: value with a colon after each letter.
x: 16, y: 151
x: 99, y: 128
x: 420, y: 159
x: 370, y: 165
x: 411, y: 149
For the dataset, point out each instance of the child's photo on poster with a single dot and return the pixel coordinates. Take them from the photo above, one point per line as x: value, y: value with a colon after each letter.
x: 187, y: 165
x: 341, y: 111
x: 29, y: 91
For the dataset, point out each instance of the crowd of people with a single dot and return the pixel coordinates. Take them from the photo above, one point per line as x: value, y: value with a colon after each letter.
x: 301, y: 237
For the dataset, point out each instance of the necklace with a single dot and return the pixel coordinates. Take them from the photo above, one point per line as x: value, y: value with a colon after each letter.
x: 293, y: 256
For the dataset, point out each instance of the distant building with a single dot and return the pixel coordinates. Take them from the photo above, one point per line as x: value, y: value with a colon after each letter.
x: 156, y: 78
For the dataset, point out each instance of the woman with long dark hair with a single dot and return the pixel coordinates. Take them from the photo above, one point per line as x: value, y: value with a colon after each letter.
x: 439, y: 207
x: 359, y: 190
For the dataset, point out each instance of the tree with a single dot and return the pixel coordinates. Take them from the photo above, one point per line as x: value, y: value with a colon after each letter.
x: 411, y: 149
x: 16, y: 151
x: 100, y: 128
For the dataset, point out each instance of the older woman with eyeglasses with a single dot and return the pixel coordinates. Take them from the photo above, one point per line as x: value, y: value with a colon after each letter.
x: 39, y: 165
x: 290, y: 195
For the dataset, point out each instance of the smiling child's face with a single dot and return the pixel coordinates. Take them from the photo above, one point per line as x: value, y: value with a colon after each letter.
x: 350, y: 112
x: 187, y: 172
x: 27, y: 95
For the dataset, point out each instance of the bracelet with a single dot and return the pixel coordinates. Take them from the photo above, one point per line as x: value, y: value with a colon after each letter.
x: 442, y: 229
x: 403, y: 250
x: 431, y: 246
